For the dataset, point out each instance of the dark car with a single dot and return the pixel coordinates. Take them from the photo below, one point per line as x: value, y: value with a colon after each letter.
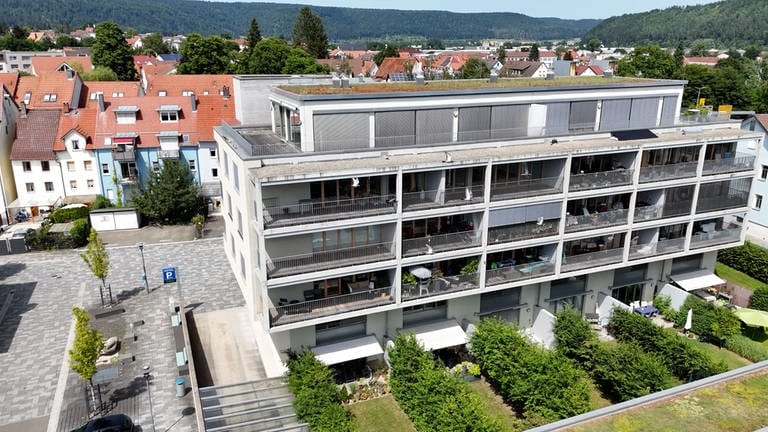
x: 111, y: 423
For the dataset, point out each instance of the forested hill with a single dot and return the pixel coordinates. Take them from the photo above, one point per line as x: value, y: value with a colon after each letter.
x: 186, y: 16
x: 730, y: 23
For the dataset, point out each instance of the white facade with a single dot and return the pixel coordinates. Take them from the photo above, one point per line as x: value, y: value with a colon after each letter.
x: 17, y: 61
x: 8, y: 114
x: 80, y: 169
x: 38, y: 183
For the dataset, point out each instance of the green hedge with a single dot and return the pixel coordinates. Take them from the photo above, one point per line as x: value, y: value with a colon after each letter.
x: 68, y: 215
x: 318, y: 400
x: 759, y: 299
x: 680, y: 355
x: 708, y: 320
x: 749, y: 259
x: 747, y: 348
x: 534, y: 381
x: 434, y: 400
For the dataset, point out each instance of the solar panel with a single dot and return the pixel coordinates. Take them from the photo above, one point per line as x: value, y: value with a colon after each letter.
x: 398, y: 77
x: 633, y: 134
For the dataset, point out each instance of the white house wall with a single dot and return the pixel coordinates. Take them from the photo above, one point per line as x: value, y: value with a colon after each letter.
x: 38, y: 177
x: 79, y: 174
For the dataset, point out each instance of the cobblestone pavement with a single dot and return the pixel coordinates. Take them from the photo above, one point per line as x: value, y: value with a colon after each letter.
x: 34, y: 333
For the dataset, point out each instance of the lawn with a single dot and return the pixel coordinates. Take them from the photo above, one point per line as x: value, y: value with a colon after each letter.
x: 736, y: 277
x: 381, y: 415
x: 731, y: 359
x: 495, y: 405
x: 740, y: 405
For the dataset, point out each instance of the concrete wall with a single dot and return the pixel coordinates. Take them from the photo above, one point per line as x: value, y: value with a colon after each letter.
x: 289, y: 246
x: 303, y: 337
x: 255, y: 109
x: 286, y: 194
x: 206, y: 162
x: 464, y: 308
x: 597, y: 282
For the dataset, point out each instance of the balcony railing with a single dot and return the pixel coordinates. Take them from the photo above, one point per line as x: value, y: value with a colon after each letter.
x: 525, y: 188
x: 301, y: 311
x: 310, y: 211
x: 654, y: 173
x: 440, y: 243
x: 648, y: 213
x: 440, y: 197
x: 523, y: 231
x: 519, y: 272
x: 728, y: 235
x: 321, y: 260
x: 727, y: 165
x: 677, y: 208
x: 439, y: 286
x: 129, y: 180
x: 592, y: 259
x: 721, y: 202
x: 127, y: 155
x: 168, y: 154
x: 659, y: 248
x: 600, y: 180
x: 596, y: 220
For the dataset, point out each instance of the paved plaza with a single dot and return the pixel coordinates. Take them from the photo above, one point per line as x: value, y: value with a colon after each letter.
x: 35, y: 330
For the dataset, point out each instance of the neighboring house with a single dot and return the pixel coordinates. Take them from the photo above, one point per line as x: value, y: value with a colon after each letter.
x: 74, y: 152
x: 175, y: 41
x: 447, y: 65
x: 564, y: 68
x: 21, y: 61
x: 353, y: 67
x: 54, y: 90
x: 80, y: 34
x: 592, y: 70
x: 135, y: 42
x: 757, y: 215
x: 43, y: 65
x: 8, y: 114
x: 35, y: 168
x: 524, y: 69
x: 185, y: 85
x: 39, y: 35
x: 109, y: 90
x: 704, y: 61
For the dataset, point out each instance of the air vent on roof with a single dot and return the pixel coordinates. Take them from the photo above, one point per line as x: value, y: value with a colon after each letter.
x: 336, y: 81
x: 636, y: 134
x: 420, y: 80
x: 550, y: 75
x: 608, y: 74
x: 494, y: 77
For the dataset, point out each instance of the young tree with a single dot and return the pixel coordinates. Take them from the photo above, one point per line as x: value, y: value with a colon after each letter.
x: 171, y: 196
x: 97, y: 260
x: 501, y: 55
x: 85, y: 350
x: 254, y: 34
x: 153, y: 44
x: 534, y: 54
x: 112, y: 51
x: 648, y: 61
x: 207, y: 55
x: 387, y: 51
x: 474, y: 68
x: 679, y: 54
x: 309, y: 33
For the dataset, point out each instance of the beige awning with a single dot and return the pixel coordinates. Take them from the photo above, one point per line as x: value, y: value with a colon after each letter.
x: 340, y: 352
x: 28, y: 201
x: 699, y: 279
x: 438, y: 335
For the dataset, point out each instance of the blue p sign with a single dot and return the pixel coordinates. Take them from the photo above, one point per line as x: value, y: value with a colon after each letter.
x: 169, y: 274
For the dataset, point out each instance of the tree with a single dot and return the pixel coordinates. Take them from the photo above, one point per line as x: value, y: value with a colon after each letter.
x: 97, y: 260
x: 300, y: 62
x: 700, y: 48
x: 648, y: 61
x: 435, y: 44
x: 533, y: 55
x: 64, y: 40
x: 309, y: 33
x: 475, y: 68
x: 387, y: 51
x: 154, y: 44
x: 171, y: 196
x: 254, y: 34
x: 752, y: 52
x: 112, y: 51
x: 593, y: 44
x: 501, y: 55
x: 86, y: 348
x: 207, y: 55
x: 679, y: 54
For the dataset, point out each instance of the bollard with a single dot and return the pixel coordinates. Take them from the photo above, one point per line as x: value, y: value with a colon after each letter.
x: 180, y: 390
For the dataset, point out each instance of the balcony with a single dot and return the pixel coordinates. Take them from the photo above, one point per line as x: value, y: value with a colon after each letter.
x: 647, y: 213
x: 724, y: 202
x: 442, y: 197
x: 126, y: 154
x: 129, y: 180
x: 523, y: 231
x: 168, y: 154
x: 661, y: 247
x: 519, y: 272
x: 596, y: 220
x: 328, y: 306
x: 440, y: 243
x: 729, y: 165
x: 600, y: 180
x: 727, y: 235
x: 311, y: 211
x: 654, y: 173
x: 525, y: 188
x: 439, y: 286
x: 323, y: 260
x: 592, y: 259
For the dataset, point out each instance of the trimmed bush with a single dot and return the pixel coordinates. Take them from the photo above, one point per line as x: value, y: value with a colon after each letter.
x: 535, y: 382
x: 625, y: 371
x: 759, y: 299
x: 747, y: 348
x: 709, y: 320
x: 102, y: 202
x: 79, y: 232
x: 434, y: 399
x: 749, y: 258
x: 318, y: 399
x: 574, y: 338
x: 664, y: 304
x: 68, y: 215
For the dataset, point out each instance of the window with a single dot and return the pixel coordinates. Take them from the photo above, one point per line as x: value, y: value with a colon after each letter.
x: 169, y: 116
x: 45, y: 165
x: 242, y: 266
x: 187, y: 93
x: 236, y: 176
x: 229, y: 206
x: 192, y: 165
x: 26, y: 166
x: 764, y: 172
x: 226, y: 165
x: 27, y: 95
x: 87, y: 165
x: 49, y: 186
x: 95, y: 95
x: 162, y: 93
x: 30, y: 187
x: 49, y: 97
x: 126, y: 117
x: 75, y: 144
x: 118, y: 94
x: 214, y: 172
x: 213, y: 152
x: 155, y: 166
x: 70, y: 165
x: 240, y: 223
x: 105, y: 168
x: 90, y: 183
x: 73, y: 184
x: 758, y: 201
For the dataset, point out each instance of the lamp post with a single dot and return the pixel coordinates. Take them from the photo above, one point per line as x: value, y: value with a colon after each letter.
x: 698, y: 94
x: 143, y: 266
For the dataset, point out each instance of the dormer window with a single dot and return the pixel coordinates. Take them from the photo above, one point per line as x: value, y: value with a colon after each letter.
x: 169, y: 113
x: 187, y: 93
x: 27, y: 98
x: 118, y: 94
x: 95, y: 95
x: 162, y: 93
x: 126, y: 114
x: 49, y: 97
x: 75, y: 144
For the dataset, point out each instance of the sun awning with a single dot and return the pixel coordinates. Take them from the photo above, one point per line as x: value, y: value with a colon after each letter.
x: 752, y: 317
x: 347, y: 350
x: 30, y: 201
x: 438, y: 335
x: 699, y: 279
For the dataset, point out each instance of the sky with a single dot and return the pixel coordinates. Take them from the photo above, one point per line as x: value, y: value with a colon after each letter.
x: 567, y: 9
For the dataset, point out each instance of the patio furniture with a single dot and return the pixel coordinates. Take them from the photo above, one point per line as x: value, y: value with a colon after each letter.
x: 647, y: 311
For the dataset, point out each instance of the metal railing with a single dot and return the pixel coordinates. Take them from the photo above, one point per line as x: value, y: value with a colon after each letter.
x: 464, y: 194
x: 320, y: 260
x: 525, y: 188
x: 648, y: 213
x: 439, y: 197
x: 127, y: 155
x: 519, y: 272
x: 439, y: 286
x: 523, y: 231
x: 722, y: 202
x: 600, y: 180
x: 659, y: 248
x: 596, y: 220
x: 676, y: 208
x: 726, y: 165
x: 653, y: 173
x: 308, y: 211
x: 592, y: 259
x: 727, y: 235
x: 331, y: 305
x: 168, y: 154
x: 440, y: 243
x: 132, y: 179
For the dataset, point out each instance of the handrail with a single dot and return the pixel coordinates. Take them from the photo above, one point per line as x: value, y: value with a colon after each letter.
x: 294, y: 312
x: 314, y: 261
x: 574, y: 262
x: 324, y: 210
x: 601, y: 179
x: 518, y: 272
x: 731, y: 164
x: 596, y: 220
x: 439, y: 286
x: 523, y: 231
x: 439, y: 243
x: 524, y: 187
x: 652, y: 173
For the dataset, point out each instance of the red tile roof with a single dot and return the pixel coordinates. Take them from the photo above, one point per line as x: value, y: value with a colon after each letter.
x: 763, y: 120
x: 580, y: 69
x: 708, y: 61
x: 82, y: 120
x: 175, y: 85
x: 54, y: 83
x: 44, y: 65
x: 10, y: 81
x: 35, y: 135
x: 355, y: 65
x: 108, y: 89
x: 392, y: 65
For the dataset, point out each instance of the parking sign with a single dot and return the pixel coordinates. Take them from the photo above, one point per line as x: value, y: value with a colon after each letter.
x: 169, y: 275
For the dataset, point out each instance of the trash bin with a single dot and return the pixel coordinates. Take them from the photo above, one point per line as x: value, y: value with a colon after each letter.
x: 180, y: 390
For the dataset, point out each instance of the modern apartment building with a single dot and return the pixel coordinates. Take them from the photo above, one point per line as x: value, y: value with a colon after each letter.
x: 363, y: 211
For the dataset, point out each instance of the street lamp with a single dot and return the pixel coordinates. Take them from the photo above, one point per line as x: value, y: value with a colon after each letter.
x: 143, y: 266
x: 698, y: 94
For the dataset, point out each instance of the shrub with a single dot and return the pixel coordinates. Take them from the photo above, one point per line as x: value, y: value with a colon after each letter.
x: 747, y: 348
x: 536, y: 382
x: 759, y: 299
x: 664, y: 304
x: 749, y: 258
x: 318, y: 400
x: 79, y: 232
x: 574, y: 338
x: 433, y: 399
x: 69, y: 214
x: 625, y: 371
x: 102, y: 202
x: 708, y: 319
